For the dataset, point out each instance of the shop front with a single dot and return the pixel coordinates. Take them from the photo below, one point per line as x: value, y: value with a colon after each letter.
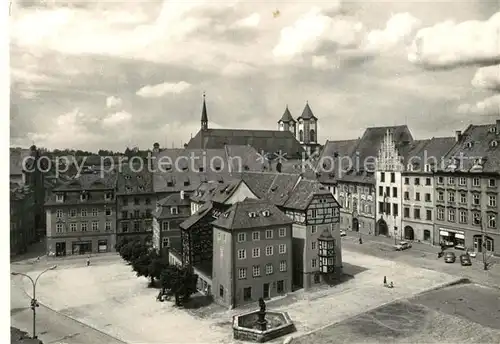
x: 452, y: 238
x: 102, y: 246
x: 82, y: 247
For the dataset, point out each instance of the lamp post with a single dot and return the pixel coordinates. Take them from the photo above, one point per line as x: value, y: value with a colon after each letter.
x: 34, y: 302
x: 483, y: 246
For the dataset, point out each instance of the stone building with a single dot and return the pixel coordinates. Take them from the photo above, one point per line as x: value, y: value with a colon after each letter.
x: 467, y: 191
x: 22, y: 218
x: 81, y: 216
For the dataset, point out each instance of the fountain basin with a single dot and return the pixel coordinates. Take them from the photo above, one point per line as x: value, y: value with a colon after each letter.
x: 246, y: 327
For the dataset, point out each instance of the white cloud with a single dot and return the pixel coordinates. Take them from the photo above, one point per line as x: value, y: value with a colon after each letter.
x: 237, y: 69
x: 155, y: 91
x: 252, y: 20
x: 320, y: 62
x: 117, y: 119
x: 488, y: 106
x: 113, y: 102
x: 487, y: 77
x: 398, y: 28
x: 448, y: 43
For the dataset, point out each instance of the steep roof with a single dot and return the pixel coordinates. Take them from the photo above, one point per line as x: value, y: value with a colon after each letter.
x: 307, y: 113
x: 370, y: 142
x: 251, y: 213
x: 268, y: 141
x: 218, y: 192
x: 427, y: 152
x: 204, y: 211
x: 332, y: 155
x: 287, y: 117
x: 134, y: 180
x: 477, y: 141
x: 163, y: 206
x: 89, y: 182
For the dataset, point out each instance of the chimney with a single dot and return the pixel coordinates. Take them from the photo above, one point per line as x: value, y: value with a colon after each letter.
x: 458, y: 134
x: 182, y: 194
x: 498, y: 126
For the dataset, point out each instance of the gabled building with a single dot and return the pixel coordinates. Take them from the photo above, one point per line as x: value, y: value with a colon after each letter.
x: 81, y: 216
x: 252, y: 253
x: 467, y: 191
x: 418, y: 200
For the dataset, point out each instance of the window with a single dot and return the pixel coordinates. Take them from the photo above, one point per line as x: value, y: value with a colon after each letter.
x: 407, y: 181
x: 125, y: 227
x: 124, y: 214
x: 221, y: 291
x: 83, y: 227
x: 476, y: 218
x: 256, y: 271
x: 282, y: 232
x: 165, y: 226
x: 476, y: 182
x: 59, y: 198
x: 95, y: 212
x: 242, y: 237
x: 462, y: 181
x: 417, y: 196
x: 451, y: 196
x: 174, y: 210
x: 255, y: 252
x: 492, y: 221
x: 463, y: 197
x: 428, y: 181
x: 137, y: 226
x: 395, y: 210
x: 148, y: 201
x: 417, y: 181
x: 59, y: 213
x: 416, y: 213
x: 269, y: 233
x: 406, y: 212
x: 59, y: 228
x: 440, y: 180
x: 84, y: 212
x: 314, y: 263
x: 451, y: 215
x: 492, y: 183
x: 388, y: 191
x: 451, y: 180
x: 125, y: 201
x: 165, y: 242
x: 136, y: 201
x: 313, y: 229
x: 475, y: 199
x: 313, y: 245
x: 72, y: 213
x: 95, y: 226
x: 492, y: 200
x: 428, y: 215
x: 269, y: 250
x: 255, y: 236
x: 440, y: 214
x: 107, y: 226
x: 242, y: 254
x: 407, y: 196
x: 428, y: 197
x: 72, y: 227
x: 381, y: 207
x: 440, y: 196
x: 242, y: 273
x: 282, y: 248
x: 462, y: 218
x: 382, y: 177
x: 393, y: 177
x: 394, y: 192
x: 269, y: 269
x: 108, y: 212
x: 381, y: 191
x: 283, y: 266
x: 137, y: 214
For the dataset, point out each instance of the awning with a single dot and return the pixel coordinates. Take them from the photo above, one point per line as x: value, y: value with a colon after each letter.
x: 459, y: 236
x: 444, y: 233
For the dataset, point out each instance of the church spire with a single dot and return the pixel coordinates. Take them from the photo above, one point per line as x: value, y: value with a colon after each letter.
x: 204, y: 116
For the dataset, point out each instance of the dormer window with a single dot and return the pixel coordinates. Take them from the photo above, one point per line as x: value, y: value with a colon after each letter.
x: 252, y: 214
x: 427, y: 168
x: 184, y: 168
x: 139, y: 177
x: 59, y: 197
x: 494, y: 143
x: 174, y: 210
x: 84, y: 196
x: 127, y: 177
x: 226, y: 215
x: 468, y: 144
x: 141, y: 188
x: 274, y: 188
x: 493, y: 130
x: 266, y: 213
x: 200, y: 169
x: 217, y: 167
x: 409, y: 167
x: 186, y: 182
x: 168, y: 167
x: 108, y: 196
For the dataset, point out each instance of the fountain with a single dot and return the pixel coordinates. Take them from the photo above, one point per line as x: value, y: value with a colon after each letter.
x: 261, y: 326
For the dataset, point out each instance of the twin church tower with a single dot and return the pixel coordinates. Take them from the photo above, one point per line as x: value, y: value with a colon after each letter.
x: 305, y: 128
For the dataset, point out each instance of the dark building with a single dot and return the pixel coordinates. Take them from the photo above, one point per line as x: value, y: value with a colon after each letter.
x: 22, y: 218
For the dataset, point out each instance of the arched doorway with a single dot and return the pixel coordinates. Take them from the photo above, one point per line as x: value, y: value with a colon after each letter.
x: 355, y: 225
x: 382, y: 228
x: 409, y: 233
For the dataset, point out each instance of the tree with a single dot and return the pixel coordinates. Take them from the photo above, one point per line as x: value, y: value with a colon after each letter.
x: 132, y: 250
x: 158, y: 264
x: 141, y: 265
x: 181, y: 281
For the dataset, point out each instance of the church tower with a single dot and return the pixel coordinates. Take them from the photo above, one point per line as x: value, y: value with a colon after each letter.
x: 204, y: 116
x: 287, y: 122
x: 308, y: 129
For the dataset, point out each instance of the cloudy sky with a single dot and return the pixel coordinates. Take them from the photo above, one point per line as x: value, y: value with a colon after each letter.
x: 111, y: 74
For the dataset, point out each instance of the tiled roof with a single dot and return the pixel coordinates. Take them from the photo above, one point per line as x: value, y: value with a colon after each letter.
x: 332, y: 156
x: 251, y: 213
x: 89, y: 182
x: 205, y: 210
x: 287, y: 117
x: 268, y: 141
x: 478, y: 141
x: 17, y: 156
x: 307, y: 113
x: 134, y: 180
x: 162, y: 210
x: 427, y: 152
x: 370, y: 142
x: 303, y: 194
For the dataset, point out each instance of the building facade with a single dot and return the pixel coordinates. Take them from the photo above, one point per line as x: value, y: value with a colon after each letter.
x: 22, y: 218
x: 81, y: 216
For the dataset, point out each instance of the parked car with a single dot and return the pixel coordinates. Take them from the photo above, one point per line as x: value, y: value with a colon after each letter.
x: 472, y: 254
x: 403, y: 245
x: 343, y: 233
x: 449, y: 257
x: 465, y: 260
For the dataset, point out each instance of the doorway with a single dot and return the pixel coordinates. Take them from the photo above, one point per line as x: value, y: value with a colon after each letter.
x: 355, y: 224
x: 60, y: 249
x: 409, y: 233
x: 266, y: 291
x: 382, y: 228
x: 247, y: 294
x: 281, y: 287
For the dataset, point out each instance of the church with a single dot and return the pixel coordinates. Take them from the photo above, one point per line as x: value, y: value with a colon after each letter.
x: 293, y: 137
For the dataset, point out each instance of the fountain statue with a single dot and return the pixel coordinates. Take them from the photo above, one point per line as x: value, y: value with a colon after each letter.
x: 262, y: 322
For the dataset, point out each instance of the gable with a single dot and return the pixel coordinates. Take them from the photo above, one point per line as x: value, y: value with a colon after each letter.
x: 319, y: 199
x: 240, y: 193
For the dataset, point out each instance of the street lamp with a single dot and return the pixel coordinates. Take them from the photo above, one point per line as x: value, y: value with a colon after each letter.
x: 34, y: 302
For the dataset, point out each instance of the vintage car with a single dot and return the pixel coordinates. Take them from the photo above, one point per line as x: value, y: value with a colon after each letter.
x: 343, y: 233
x: 449, y: 257
x: 465, y: 260
x: 403, y: 245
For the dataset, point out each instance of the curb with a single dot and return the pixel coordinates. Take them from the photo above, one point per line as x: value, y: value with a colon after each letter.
x: 75, y: 320
x: 292, y: 339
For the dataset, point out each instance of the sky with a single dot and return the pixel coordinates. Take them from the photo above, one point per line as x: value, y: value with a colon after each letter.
x: 110, y: 74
